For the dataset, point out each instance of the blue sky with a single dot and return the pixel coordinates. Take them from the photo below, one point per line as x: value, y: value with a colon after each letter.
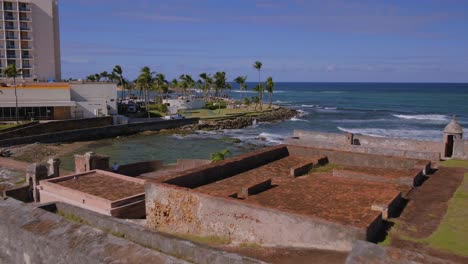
x: 297, y: 40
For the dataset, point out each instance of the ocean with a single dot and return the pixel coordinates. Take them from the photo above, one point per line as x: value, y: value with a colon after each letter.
x: 401, y: 110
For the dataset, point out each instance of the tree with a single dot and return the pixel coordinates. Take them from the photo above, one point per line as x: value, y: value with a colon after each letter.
x: 91, y: 78
x: 159, y: 82
x: 258, y: 66
x: 242, y: 86
x: 207, y: 82
x: 119, y: 73
x: 146, y: 81
x: 12, y: 72
x: 220, y: 156
x: 104, y: 75
x: 270, y: 86
x: 255, y: 100
x: 260, y: 90
x: 219, y: 85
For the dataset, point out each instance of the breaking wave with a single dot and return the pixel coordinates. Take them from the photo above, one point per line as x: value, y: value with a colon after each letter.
x: 424, y: 117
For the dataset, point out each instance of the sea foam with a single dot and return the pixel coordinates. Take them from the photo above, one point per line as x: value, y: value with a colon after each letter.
x: 424, y: 117
x: 396, y: 133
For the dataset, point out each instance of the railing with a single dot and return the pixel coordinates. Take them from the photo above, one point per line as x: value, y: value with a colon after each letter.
x: 11, y: 37
x: 25, y: 47
x: 10, y: 18
x: 27, y: 66
x: 25, y: 28
x: 10, y: 27
x: 25, y: 38
x: 26, y: 56
x: 11, y: 56
x: 11, y: 47
x: 25, y: 9
x: 24, y: 18
x: 8, y: 8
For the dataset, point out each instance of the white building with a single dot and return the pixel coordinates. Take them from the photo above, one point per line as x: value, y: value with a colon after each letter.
x: 29, y: 38
x: 183, y: 103
x: 58, y: 101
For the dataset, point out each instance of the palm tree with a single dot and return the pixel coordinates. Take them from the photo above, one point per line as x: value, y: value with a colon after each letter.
x: 258, y: 66
x: 145, y: 81
x: 160, y: 81
x: 260, y: 90
x: 119, y: 73
x: 12, y: 72
x: 104, y: 75
x: 91, y: 78
x: 255, y: 100
x: 270, y: 86
x: 242, y: 86
x: 97, y: 77
x: 220, y: 156
x: 219, y: 85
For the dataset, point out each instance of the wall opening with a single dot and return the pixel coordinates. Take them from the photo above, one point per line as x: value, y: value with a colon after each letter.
x: 449, y: 147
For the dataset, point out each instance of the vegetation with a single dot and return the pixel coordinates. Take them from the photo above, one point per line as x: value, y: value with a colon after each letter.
x: 259, y: 88
x: 242, y: 85
x: 12, y: 72
x: 220, y: 156
x: 206, y: 240
x: 452, y: 232
x: 212, y: 105
x: 72, y: 217
x: 5, y: 126
x: 269, y: 87
x: 455, y: 163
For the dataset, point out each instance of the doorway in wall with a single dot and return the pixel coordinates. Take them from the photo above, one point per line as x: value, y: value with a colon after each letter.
x: 449, y: 147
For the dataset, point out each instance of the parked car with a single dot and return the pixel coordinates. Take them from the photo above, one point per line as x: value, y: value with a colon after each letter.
x: 172, y: 117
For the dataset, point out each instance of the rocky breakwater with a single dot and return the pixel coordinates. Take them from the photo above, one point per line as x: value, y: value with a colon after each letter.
x: 275, y: 115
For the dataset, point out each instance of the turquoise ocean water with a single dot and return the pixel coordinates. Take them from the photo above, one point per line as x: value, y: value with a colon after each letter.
x: 403, y: 110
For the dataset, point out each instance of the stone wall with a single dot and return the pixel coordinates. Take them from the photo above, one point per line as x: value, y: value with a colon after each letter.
x: 19, y: 127
x: 357, y: 159
x: 217, y: 171
x: 98, y: 132
x: 136, y: 169
x: 165, y: 243
x: 180, y: 210
x: 414, y: 149
x: 57, y: 126
x: 33, y: 235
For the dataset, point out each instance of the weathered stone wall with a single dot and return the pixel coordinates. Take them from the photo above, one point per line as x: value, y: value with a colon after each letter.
x: 136, y: 169
x: 357, y: 159
x: 415, y: 149
x: 57, y: 126
x: 220, y: 170
x: 32, y: 235
x: 98, y: 132
x: 164, y: 243
x: 18, y: 127
x: 180, y: 210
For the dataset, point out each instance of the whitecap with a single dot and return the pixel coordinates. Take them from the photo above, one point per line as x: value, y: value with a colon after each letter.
x: 298, y: 119
x: 424, y: 117
x: 272, y: 138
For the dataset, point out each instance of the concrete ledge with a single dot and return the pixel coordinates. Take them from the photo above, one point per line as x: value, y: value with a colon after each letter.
x: 254, y: 189
x: 367, y: 253
x: 33, y: 235
x: 301, y: 169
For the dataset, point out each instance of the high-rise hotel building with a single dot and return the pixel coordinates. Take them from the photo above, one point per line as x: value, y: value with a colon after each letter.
x: 29, y: 38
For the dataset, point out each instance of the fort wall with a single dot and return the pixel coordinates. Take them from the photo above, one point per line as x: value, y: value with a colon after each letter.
x: 98, y: 132
x: 181, y: 210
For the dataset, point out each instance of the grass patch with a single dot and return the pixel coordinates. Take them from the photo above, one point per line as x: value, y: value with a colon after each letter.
x: 206, y: 240
x: 21, y: 182
x: 248, y: 245
x: 455, y: 163
x: 326, y: 168
x: 452, y: 233
x: 222, y: 113
x: 5, y: 126
x: 72, y: 217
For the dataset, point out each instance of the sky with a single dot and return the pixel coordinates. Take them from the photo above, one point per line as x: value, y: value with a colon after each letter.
x: 296, y: 40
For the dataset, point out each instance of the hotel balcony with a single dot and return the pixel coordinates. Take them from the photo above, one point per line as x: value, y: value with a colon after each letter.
x: 27, y: 66
x: 27, y: 56
x: 10, y: 28
x: 26, y: 47
x: 11, y: 56
x: 25, y: 28
x: 11, y: 47
x: 10, y: 18
x: 11, y: 37
x: 24, y: 19
x: 9, y: 8
x: 24, y: 9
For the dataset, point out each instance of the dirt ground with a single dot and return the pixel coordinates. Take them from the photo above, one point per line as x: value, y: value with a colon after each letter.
x: 426, y: 208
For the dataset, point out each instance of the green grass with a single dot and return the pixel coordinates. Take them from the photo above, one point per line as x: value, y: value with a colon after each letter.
x: 72, y: 217
x: 206, y: 240
x: 221, y: 114
x: 452, y: 233
x: 21, y: 181
x: 5, y: 126
x: 455, y: 163
x: 248, y: 245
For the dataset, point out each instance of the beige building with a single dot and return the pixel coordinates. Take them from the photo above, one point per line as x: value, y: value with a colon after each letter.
x: 58, y: 101
x: 29, y: 38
